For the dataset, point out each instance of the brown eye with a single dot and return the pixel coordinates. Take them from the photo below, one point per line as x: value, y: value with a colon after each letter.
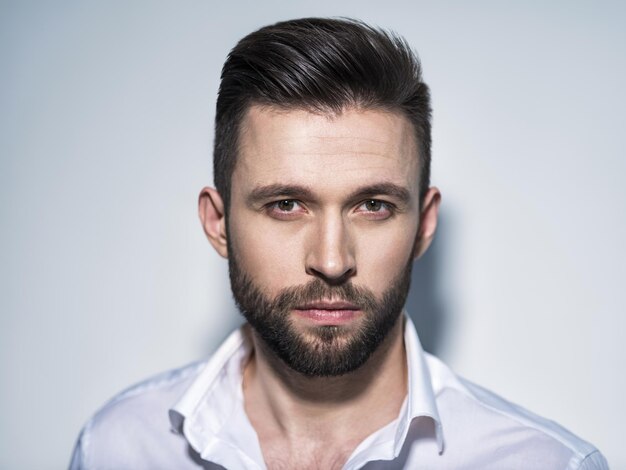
x: 286, y: 209
x: 374, y: 209
x: 373, y: 205
x: 287, y: 205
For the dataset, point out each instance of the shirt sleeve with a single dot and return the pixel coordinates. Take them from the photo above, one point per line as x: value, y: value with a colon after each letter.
x: 594, y: 461
x: 78, y: 456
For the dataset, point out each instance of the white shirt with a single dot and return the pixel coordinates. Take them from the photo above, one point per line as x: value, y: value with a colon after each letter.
x: 445, y: 422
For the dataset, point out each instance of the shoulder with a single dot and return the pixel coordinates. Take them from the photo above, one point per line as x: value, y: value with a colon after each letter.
x: 474, y: 416
x: 141, y: 403
x: 134, y: 423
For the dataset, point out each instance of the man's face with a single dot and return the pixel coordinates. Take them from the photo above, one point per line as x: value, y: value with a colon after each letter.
x: 322, y: 227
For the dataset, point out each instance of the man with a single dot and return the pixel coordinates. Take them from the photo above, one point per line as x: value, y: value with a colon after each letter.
x: 321, y: 163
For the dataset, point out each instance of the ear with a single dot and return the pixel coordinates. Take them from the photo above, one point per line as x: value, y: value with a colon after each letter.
x: 213, y: 219
x: 428, y: 221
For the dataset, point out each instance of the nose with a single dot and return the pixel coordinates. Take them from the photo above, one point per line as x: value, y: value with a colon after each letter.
x: 331, y: 252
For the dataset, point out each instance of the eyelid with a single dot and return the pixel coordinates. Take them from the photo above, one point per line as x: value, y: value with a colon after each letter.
x: 386, y: 211
x: 389, y: 205
x: 285, y: 199
x: 272, y: 209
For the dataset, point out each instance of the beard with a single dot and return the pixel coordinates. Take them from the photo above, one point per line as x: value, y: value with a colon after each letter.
x: 321, y: 351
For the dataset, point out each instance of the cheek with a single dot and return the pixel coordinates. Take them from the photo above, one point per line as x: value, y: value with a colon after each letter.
x: 269, y: 257
x: 382, y: 257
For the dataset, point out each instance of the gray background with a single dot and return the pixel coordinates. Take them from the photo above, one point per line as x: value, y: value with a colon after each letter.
x: 106, y: 115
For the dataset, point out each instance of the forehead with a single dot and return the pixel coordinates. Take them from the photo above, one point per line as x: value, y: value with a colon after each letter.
x: 279, y: 146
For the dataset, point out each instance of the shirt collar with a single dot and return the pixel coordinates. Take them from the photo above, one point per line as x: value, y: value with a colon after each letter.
x: 209, y: 408
x: 214, y: 401
x: 421, y: 397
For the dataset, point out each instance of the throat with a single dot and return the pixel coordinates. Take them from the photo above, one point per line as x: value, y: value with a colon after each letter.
x: 331, y: 414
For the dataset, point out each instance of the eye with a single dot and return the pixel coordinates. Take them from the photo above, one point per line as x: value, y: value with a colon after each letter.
x: 286, y: 205
x: 285, y: 209
x: 373, y: 205
x: 375, y: 209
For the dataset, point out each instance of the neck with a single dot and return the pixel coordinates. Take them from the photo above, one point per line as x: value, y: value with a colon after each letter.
x: 292, y: 404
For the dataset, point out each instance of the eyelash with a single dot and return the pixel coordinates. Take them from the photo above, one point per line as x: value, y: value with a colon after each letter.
x: 386, y: 210
x: 291, y: 201
x: 375, y: 201
x: 273, y: 208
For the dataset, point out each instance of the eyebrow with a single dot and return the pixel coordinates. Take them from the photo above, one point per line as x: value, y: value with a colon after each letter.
x: 286, y: 191
x: 293, y: 191
x: 400, y: 193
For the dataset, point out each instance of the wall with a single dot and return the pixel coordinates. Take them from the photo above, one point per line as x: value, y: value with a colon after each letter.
x: 106, y: 115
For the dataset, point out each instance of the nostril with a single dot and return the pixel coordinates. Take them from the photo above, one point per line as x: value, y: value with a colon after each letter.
x: 333, y: 278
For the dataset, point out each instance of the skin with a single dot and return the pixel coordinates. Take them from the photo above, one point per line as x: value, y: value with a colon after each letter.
x: 333, y: 197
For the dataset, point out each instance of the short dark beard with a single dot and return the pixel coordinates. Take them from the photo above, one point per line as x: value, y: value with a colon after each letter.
x: 333, y: 350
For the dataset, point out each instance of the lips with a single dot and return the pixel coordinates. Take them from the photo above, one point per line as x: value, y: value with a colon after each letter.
x: 329, y: 305
x: 329, y: 313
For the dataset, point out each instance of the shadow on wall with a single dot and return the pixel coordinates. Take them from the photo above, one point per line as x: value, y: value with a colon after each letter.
x: 425, y: 303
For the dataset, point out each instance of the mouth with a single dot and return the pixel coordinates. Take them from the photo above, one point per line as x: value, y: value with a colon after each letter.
x: 329, y: 312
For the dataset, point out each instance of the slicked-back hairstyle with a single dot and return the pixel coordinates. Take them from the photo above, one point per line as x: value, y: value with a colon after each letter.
x: 320, y: 65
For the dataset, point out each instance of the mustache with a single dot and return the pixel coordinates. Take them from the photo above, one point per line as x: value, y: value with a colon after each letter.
x: 317, y: 290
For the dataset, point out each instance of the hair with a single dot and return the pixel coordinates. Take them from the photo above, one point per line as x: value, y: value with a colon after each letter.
x: 323, y: 66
